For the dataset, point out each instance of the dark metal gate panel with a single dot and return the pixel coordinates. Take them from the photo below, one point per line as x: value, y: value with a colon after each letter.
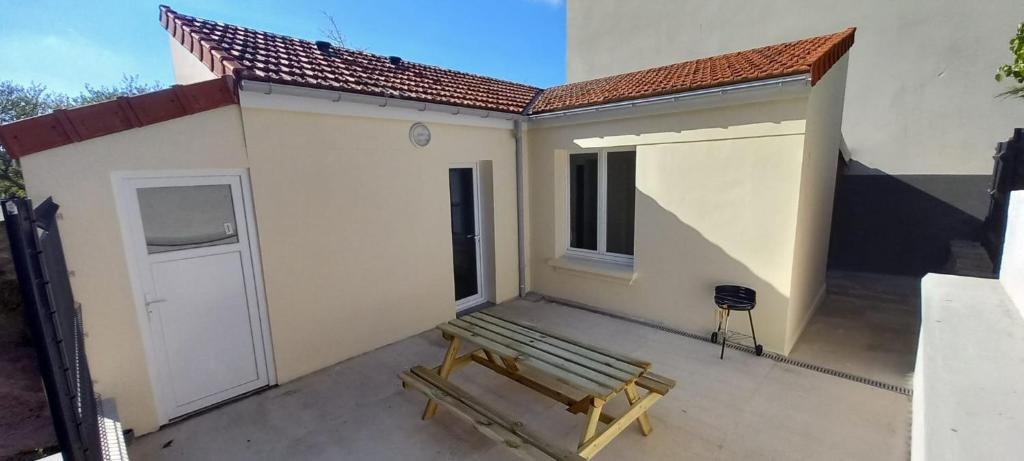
x: 56, y: 325
x: 1007, y: 176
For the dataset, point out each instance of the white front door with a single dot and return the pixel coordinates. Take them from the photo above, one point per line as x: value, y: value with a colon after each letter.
x: 189, y: 236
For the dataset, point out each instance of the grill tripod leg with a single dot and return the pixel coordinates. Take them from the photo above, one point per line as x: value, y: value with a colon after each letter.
x: 752, y: 334
x: 724, y: 334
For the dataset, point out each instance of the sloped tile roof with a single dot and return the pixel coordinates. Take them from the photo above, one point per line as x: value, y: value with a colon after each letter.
x: 61, y: 127
x: 812, y: 56
x: 262, y: 56
x: 233, y: 53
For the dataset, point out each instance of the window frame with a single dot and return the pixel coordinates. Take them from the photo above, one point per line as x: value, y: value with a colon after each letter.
x: 601, y: 254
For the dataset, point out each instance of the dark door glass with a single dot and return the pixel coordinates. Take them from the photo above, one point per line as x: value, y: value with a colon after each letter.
x: 621, y: 197
x: 583, y: 201
x: 464, y: 235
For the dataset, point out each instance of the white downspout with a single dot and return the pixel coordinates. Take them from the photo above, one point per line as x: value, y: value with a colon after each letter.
x: 520, y: 206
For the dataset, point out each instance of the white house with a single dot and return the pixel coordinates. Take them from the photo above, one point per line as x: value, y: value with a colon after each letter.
x: 293, y: 204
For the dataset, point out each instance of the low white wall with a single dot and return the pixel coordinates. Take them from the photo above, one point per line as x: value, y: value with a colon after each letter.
x: 1011, y: 272
x: 967, y: 379
x: 970, y: 359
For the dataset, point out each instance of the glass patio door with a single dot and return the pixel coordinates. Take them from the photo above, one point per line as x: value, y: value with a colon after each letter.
x: 466, y: 250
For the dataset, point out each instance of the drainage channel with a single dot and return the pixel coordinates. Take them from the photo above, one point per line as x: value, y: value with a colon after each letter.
x: 902, y: 390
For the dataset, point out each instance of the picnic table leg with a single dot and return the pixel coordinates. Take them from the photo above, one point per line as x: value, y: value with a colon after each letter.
x: 510, y: 364
x: 490, y: 356
x: 593, y: 417
x: 633, y: 396
x: 446, y: 369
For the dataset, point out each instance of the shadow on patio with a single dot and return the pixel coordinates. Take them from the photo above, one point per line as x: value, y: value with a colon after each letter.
x: 744, y: 407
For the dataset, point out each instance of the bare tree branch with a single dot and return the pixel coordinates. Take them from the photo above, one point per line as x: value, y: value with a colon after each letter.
x: 332, y: 32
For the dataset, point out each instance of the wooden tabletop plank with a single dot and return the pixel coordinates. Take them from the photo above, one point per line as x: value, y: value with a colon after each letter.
x: 577, y: 358
x: 570, y: 379
x: 533, y: 352
x: 620, y: 361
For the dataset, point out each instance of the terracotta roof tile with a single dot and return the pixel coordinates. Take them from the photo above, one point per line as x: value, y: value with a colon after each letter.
x: 236, y: 52
x: 262, y: 56
x: 812, y: 56
x: 66, y: 126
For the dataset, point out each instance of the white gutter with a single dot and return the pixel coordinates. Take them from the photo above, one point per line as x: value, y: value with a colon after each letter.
x: 801, y: 80
x: 380, y: 101
x: 520, y: 206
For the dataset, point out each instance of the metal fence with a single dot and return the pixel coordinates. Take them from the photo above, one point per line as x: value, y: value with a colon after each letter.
x: 1007, y: 176
x: 56, y: 326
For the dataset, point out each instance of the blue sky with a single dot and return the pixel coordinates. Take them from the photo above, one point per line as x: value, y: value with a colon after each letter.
x: 66, y: 44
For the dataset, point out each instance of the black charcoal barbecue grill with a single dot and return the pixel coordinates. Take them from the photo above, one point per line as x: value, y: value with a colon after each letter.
x: 730, y: 298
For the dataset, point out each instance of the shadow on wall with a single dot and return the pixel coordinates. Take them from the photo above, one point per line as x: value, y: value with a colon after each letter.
x: 687, y: 169
x: 679, y: 269
x: 902, y: 224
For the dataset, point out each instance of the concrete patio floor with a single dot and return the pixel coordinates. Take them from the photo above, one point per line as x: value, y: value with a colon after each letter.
x: 744, y: 407
x: 868, y: 326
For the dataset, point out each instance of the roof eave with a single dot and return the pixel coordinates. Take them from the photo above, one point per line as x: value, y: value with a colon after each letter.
x: 381, y: 101
x: 67, y: 126
x: 802, y: 80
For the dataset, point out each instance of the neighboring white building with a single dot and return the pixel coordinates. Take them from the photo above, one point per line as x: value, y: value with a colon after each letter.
x: 921, y: 119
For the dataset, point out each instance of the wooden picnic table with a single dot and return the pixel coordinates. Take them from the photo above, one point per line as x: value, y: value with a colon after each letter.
x: 533, y: 357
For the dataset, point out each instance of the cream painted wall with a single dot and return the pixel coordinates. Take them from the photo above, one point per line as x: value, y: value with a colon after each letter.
x: 355, y: 229
x: 817, y: 190
x: 353, y: 224
x: 78, y: 176
x: 707, y: 212
x: 187, y: 68
x: 912, y: 57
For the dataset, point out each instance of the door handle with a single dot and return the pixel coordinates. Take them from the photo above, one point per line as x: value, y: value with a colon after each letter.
x: 472, y: 236
x: 150, y: 299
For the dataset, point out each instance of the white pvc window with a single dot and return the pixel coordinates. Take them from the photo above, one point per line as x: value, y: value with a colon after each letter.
x: 601, y: 204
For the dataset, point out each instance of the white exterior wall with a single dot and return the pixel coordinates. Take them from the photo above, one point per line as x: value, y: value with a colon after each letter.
x: 78, y: 176
x: 187, y: 68
x: 717, y: 193
x: 921, y: 94
x: 353, y: 223
x: 817, y: 189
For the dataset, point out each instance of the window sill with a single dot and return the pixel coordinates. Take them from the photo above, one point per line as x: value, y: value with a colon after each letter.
x: 594, y: 268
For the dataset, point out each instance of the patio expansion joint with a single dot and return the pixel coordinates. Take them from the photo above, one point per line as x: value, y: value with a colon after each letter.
x: 902, y: 390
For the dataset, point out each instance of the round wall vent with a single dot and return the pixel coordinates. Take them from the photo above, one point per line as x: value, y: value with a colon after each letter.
x: 419, y: 134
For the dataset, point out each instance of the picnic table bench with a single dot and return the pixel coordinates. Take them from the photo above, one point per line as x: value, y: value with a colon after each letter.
x: 590, y: 377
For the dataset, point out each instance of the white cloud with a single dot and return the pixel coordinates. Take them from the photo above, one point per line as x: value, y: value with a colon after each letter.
x: 63, y: 61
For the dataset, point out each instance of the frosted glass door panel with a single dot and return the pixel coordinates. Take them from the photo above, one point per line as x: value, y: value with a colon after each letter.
x: 185, y: 217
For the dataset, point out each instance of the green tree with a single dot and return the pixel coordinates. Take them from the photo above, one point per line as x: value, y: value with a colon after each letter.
x: 129, y: 86
x: 1014, y: 70
x: 18, y: 101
